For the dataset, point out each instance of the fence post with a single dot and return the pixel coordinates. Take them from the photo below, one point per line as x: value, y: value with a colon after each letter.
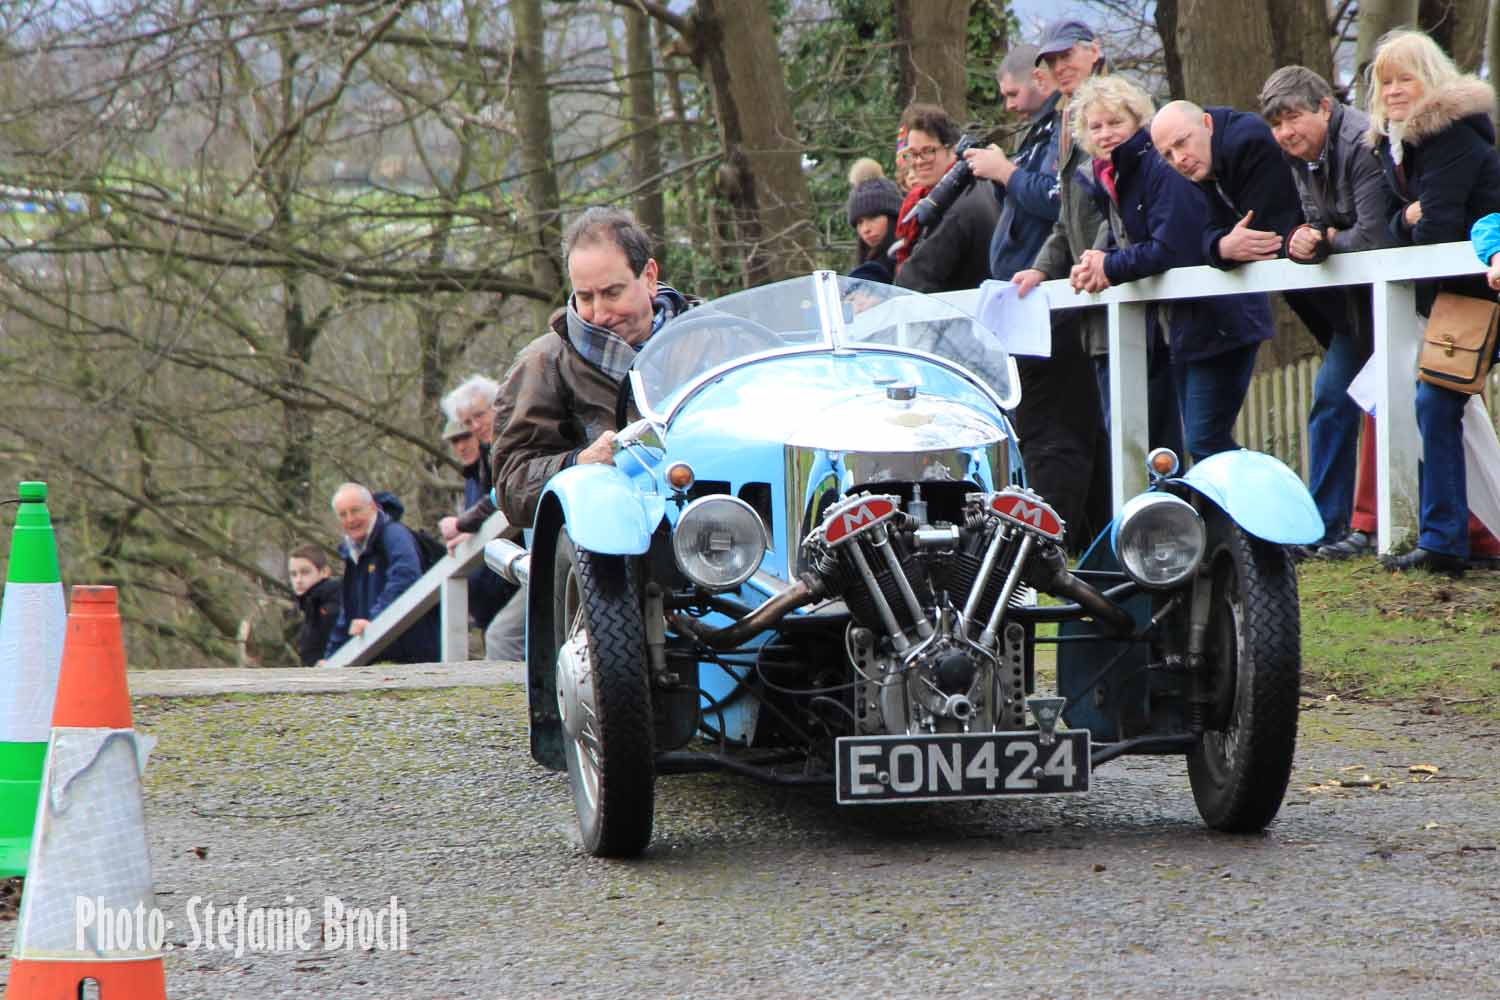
x: 1397, y: 445
x: 453, y: 600
x: 1129, y: 426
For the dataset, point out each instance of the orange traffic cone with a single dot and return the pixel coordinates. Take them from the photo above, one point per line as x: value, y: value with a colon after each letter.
x: 88, y: 912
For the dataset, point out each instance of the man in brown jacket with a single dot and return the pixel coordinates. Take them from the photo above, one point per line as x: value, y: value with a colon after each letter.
x: 562, y: 388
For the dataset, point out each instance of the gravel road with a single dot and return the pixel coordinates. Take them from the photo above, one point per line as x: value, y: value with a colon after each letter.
x: 1375, y: 881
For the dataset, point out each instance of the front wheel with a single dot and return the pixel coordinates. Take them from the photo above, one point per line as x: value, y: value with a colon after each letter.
x: 1240, y: 767
x: 603, y: 699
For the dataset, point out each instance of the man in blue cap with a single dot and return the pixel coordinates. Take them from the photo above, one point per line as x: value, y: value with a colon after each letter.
x: 1063, y: 443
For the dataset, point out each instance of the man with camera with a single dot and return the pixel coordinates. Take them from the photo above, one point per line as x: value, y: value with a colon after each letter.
x: 957, y: 216
x: 1062, y: 435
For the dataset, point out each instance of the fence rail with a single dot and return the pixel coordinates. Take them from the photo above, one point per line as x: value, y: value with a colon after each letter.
x: 1274, y: 417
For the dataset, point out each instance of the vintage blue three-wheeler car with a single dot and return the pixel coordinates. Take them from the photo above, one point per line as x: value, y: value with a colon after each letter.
x: 815, y: 561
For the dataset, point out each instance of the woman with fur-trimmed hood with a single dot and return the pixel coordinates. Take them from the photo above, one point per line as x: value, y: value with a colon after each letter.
x: 1430, y: 126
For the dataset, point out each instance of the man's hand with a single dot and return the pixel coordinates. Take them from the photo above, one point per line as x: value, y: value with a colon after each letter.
x: 990, y: 163
x: 1493, y: 274
x: 458, y: 540
x: 1088, y: 274
x: 448, y: 528
x: 1413, y: 213
x: 358, y: 626
x: 1027, y: 280
x: 1304, y: 243
x: 1245, y: 244
x: 601, y: 452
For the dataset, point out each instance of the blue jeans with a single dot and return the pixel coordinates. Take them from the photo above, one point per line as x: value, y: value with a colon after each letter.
x: 1212, y: 391
x: 1163, y: 416
x: 1444, y: 483
x: 1333, y: 433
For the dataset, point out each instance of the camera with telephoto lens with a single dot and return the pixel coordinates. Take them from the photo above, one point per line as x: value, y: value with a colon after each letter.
x: 929, y: 211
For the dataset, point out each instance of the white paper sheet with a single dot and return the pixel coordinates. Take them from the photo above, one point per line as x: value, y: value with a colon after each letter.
x: 1024, y: 325
x: 1482, y: 464
x: 1362, y: 387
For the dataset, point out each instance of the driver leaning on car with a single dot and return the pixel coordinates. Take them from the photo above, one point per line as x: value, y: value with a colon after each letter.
x: 563, y: 386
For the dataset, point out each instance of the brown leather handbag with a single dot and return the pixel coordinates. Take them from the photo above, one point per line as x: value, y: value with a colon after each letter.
x: 1459, y: 343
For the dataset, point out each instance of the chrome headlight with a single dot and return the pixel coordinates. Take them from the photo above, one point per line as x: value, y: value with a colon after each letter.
x: 1160, y: 540
x: 719, y: 542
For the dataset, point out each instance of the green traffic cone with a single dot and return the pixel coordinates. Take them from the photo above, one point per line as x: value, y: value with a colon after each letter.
x: 33, y: 621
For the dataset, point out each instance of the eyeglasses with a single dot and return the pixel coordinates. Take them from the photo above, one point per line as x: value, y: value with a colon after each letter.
x: 918, y: 154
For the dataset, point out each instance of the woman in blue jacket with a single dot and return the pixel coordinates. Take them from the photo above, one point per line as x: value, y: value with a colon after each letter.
x: 1430, y: 126
x: 1157, y: 218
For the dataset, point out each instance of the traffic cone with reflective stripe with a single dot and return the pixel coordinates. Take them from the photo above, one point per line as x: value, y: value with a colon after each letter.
x: 85, y: 909
x: 32, y: 622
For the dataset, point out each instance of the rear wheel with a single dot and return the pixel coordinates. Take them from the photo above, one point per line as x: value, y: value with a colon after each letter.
x: 1240, y: 768
x: 603, y: 699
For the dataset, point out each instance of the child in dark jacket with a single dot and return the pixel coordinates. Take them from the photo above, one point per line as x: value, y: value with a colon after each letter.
x: 317, y: 598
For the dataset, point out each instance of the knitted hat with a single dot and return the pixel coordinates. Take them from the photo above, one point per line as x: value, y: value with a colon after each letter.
x: 871, y: 192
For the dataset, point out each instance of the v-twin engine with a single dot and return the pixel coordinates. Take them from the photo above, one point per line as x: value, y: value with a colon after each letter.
x: 929, y: 637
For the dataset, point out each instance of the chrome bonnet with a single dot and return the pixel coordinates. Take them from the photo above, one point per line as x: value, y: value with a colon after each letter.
x: 879, y: 437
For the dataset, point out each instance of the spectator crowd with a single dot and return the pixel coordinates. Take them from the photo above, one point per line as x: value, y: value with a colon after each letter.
x: 1101, y: 188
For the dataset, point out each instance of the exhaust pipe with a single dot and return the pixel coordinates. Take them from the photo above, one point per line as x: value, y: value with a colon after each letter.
x: 1050, y: 575
x: 512, y: 562
x: 806, y: 590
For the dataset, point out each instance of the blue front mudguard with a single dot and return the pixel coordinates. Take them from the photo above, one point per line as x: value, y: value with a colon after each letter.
x: 1260, y: 494
x: 604, y: 510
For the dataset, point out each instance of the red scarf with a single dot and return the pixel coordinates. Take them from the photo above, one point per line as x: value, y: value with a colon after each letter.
x: 1105, y: 171
x: 907, y: 232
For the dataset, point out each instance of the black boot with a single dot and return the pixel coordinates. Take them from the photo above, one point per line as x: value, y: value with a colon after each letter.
x: 1433, y: 562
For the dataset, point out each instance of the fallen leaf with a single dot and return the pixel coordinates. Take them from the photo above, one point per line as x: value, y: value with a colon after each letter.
x: 1431, y: 824
x: 1423, y: 769
x: 202, y: 852
x: 1100, y: 868
x: 1331, y: 697
x: 1353, y: 767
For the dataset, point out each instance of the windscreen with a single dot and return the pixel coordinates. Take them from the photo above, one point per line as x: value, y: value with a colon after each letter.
x: 785, y: 316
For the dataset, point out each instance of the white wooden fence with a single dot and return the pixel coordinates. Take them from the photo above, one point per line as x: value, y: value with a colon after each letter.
x: 1274, y: 417
x: 1391, y: 274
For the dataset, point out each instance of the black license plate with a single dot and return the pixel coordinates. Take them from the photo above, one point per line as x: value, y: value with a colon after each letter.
x: 960, y: 766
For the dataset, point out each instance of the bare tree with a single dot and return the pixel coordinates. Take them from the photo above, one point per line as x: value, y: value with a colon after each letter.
x: 1458, y: 26
x: 1226, y: 51
x: 931, y: 43
x: 645, y: 127
x: 1376, y: 17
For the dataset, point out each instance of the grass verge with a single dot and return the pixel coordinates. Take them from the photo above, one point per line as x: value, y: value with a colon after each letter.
x: 1370, y: 634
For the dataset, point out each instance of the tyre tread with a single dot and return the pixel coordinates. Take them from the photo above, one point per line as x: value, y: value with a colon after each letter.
x: 627, y: 784
x: 1259, y: 775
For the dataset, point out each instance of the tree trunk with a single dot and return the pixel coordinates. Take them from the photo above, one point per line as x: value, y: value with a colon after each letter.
x: 1376, y: 17
x: 1166, y: 27
x: 690, y: 189
x: 645, y: 133
x: 762, y: 170
x: 931, y: 48
x: 1225, y: 51
x: 534, y: 124
x: 1458, y: 26
x: 1299, y: 34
